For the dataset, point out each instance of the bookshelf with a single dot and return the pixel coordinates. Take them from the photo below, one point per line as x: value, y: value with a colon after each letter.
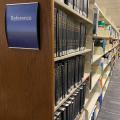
x: 27, y: 77
x: 97, y: 82
x: 101, y: 71
x: 87, y: 51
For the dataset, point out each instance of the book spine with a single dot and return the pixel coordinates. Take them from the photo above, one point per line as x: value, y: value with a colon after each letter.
x: 75, y: 4
x: 70, y: 37
x: 83, y: 65
x: 81, y: 98
x: 72, y: 71
x: 78, y: 36
x: 60, y: 81
x: 81, y: 37
x: 73, y: 40
x: 65, y: 77
x: 55, y: 31
x: 64, y: 34
x: 63, y: 80
x: 85, y: 36
x: 75, y: 36
x: 80, y: 68
x: 56, y: 84
x: 60, y: 32
x: 71, y: 3
x: 77, y: 70
x: 81, y: 6
x: 58, y: 115
x: 69, y: 75
x: 66, y: 2
x: 84, y: 92
x: 78, y: 5
x: 84, y: 7
x: 68, y: 30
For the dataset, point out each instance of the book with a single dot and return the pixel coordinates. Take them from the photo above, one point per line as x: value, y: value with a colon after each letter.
x: 75, y: 5
x: 69, y: 34
x: 64, y: 37
x: 73, y: 106
x: 66, y: 2
x: 76, y: 71
x: 68, y: 75
x: 71, y: 3
x: 81, y: 7
x: 83, y: 36
x: 62, y: 110
x: 85, y: 7
x: 81, y: 98
x: 58, y: 115
x: 60, y: 32
x: 58, y: 83
x: 55, y: 31
x: 95, y: 20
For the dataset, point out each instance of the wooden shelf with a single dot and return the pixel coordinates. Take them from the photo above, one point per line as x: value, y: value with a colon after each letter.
x: 86, y: 75
x: 72, y: 55
x: 69, y: 10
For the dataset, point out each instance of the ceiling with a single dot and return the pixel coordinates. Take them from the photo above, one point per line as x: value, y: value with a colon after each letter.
x: 111, y: 8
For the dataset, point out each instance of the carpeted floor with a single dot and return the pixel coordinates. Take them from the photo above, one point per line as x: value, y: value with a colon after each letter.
x: 111, y: 105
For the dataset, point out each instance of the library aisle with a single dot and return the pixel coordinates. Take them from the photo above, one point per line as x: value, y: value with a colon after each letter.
x: 110, y: 109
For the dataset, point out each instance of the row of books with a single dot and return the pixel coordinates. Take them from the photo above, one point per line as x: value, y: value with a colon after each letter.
x: 73, y: 106
x: 101, y: 28
x: 80, y: 6
x: 100, y: 43
x: 69, y: 34
x: 68, y: 74
x: 99, y: 46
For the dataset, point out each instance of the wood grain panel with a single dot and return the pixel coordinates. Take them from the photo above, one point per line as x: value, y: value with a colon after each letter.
x: 26, y: 76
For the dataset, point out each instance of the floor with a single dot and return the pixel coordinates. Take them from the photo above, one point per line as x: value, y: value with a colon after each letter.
x: 111, y: 104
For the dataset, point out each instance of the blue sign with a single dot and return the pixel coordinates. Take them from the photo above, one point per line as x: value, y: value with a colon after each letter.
x: 22, y: 25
